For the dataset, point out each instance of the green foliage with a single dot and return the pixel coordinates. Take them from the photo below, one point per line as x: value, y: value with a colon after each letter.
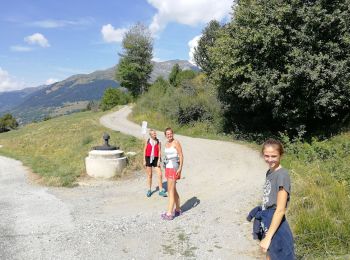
x: 284, y: 65
x: 186, y: 75
x: 320, y: 196
x: 135, y: 66
x: 7, y: 123
x: 113, y: 97
x: 92, y: 106
x: 173, y: 76
x: 202, y: 51
x: 178, y: 76
x: 47, y: 117
x: 192, y: 103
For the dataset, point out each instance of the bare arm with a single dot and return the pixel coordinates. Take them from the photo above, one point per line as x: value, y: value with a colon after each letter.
x: 159, y: 154
x: 181, y: 157
x: 144, y: 153
x: 282, y: 196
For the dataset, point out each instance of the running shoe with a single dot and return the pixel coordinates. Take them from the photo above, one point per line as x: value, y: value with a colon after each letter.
x: 165, y: 216
x: 149, y: 193
x: 163, y: 193
x: 177, y: 213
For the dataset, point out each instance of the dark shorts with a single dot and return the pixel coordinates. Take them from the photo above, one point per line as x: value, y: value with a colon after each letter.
x: 154, y: 162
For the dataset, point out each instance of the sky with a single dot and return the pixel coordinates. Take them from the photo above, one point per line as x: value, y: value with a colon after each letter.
x: 44, y: 41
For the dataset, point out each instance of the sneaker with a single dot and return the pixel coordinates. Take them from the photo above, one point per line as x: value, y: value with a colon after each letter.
x: 149, y: 193
x: 165, y: 216
x: 177, y: 213
x: 163, y: 193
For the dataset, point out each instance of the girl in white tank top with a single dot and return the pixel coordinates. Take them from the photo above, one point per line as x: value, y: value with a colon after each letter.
x: 173, y: 168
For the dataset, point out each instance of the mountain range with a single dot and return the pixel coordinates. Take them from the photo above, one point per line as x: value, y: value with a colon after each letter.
x: 71, y: 94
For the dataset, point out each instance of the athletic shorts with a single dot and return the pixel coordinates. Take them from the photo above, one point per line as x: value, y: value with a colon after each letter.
x: 170, y: 173
x: 154, y: 162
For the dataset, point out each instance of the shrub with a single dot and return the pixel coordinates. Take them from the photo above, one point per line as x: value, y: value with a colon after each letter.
x: 113, y: 97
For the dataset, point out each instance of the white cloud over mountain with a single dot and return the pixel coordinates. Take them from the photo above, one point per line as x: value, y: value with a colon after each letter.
x: 192, y: 44
x: 7, y: 83
x: 187, y: 12
x: 51, y: 81
x: 37, y: 38
x: 110, y: 34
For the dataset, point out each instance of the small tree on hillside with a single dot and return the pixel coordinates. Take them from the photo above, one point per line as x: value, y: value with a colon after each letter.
x: 135, y: 66
x: 7, y: 123
x: 113, y: 97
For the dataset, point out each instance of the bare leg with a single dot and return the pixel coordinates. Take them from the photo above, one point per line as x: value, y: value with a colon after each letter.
x: 267, y: 257
x: 171, y: 194
x: 149, y: 177
x: 177, y: 199
x: 160, y: 179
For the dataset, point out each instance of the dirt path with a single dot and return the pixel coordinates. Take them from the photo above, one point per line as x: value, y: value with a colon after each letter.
x: 115, y: 220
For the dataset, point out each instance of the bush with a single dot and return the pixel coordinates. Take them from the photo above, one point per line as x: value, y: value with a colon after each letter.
x: 7, y: 123
x: 113, y: 97
x: 192, y: 101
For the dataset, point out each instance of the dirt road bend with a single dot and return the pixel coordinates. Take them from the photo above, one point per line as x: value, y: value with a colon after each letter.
x: 115, y: 220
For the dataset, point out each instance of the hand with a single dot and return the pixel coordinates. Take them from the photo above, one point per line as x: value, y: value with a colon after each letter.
x: 144, y: 163
x: 265, y: 244
x: 178, y: 173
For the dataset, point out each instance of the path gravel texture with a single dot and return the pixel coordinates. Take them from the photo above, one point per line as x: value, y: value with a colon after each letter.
x: 100, y: 219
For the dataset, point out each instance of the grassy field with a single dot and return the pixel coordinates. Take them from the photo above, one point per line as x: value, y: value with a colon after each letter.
x: 56, y: 149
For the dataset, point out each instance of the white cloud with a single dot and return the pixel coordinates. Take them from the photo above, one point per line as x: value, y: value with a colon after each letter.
x: 20, y: 48
x: 37, y: 38
x: 192, y: 44
x: 50, y: 23
x: 157, y: 59
x: 7, y: 83
x: 188, y: 12
x: 51, y: 81
x: 110, y: 34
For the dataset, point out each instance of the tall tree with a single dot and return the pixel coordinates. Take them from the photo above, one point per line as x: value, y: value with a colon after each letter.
x: 202, y: 51
x: 285, y: 65
x: 135, y: 65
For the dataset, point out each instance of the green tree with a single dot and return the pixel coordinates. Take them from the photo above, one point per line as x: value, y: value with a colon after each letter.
x: 7, y: 123
x: 202, y: 51
x: 135, y: 65
x: 173, y: 76
x: 285, y: 65
x: 113, y: 97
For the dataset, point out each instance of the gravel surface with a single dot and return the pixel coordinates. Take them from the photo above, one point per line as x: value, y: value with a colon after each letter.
x: 115, y: 220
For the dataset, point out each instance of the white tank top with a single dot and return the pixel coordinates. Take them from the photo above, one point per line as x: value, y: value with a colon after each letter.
x: 170, y: 153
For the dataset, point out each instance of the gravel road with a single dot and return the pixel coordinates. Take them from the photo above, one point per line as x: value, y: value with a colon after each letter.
x: 115, y: 220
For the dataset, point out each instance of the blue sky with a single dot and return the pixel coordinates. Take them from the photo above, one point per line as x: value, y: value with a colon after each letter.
x: 43, y: 41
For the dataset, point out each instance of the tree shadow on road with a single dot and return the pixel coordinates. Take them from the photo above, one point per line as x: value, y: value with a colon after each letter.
x: 189, y: 204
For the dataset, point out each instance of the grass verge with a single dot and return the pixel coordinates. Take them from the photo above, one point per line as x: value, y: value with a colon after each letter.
x: 320, y: 206
x: 56, y: 149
